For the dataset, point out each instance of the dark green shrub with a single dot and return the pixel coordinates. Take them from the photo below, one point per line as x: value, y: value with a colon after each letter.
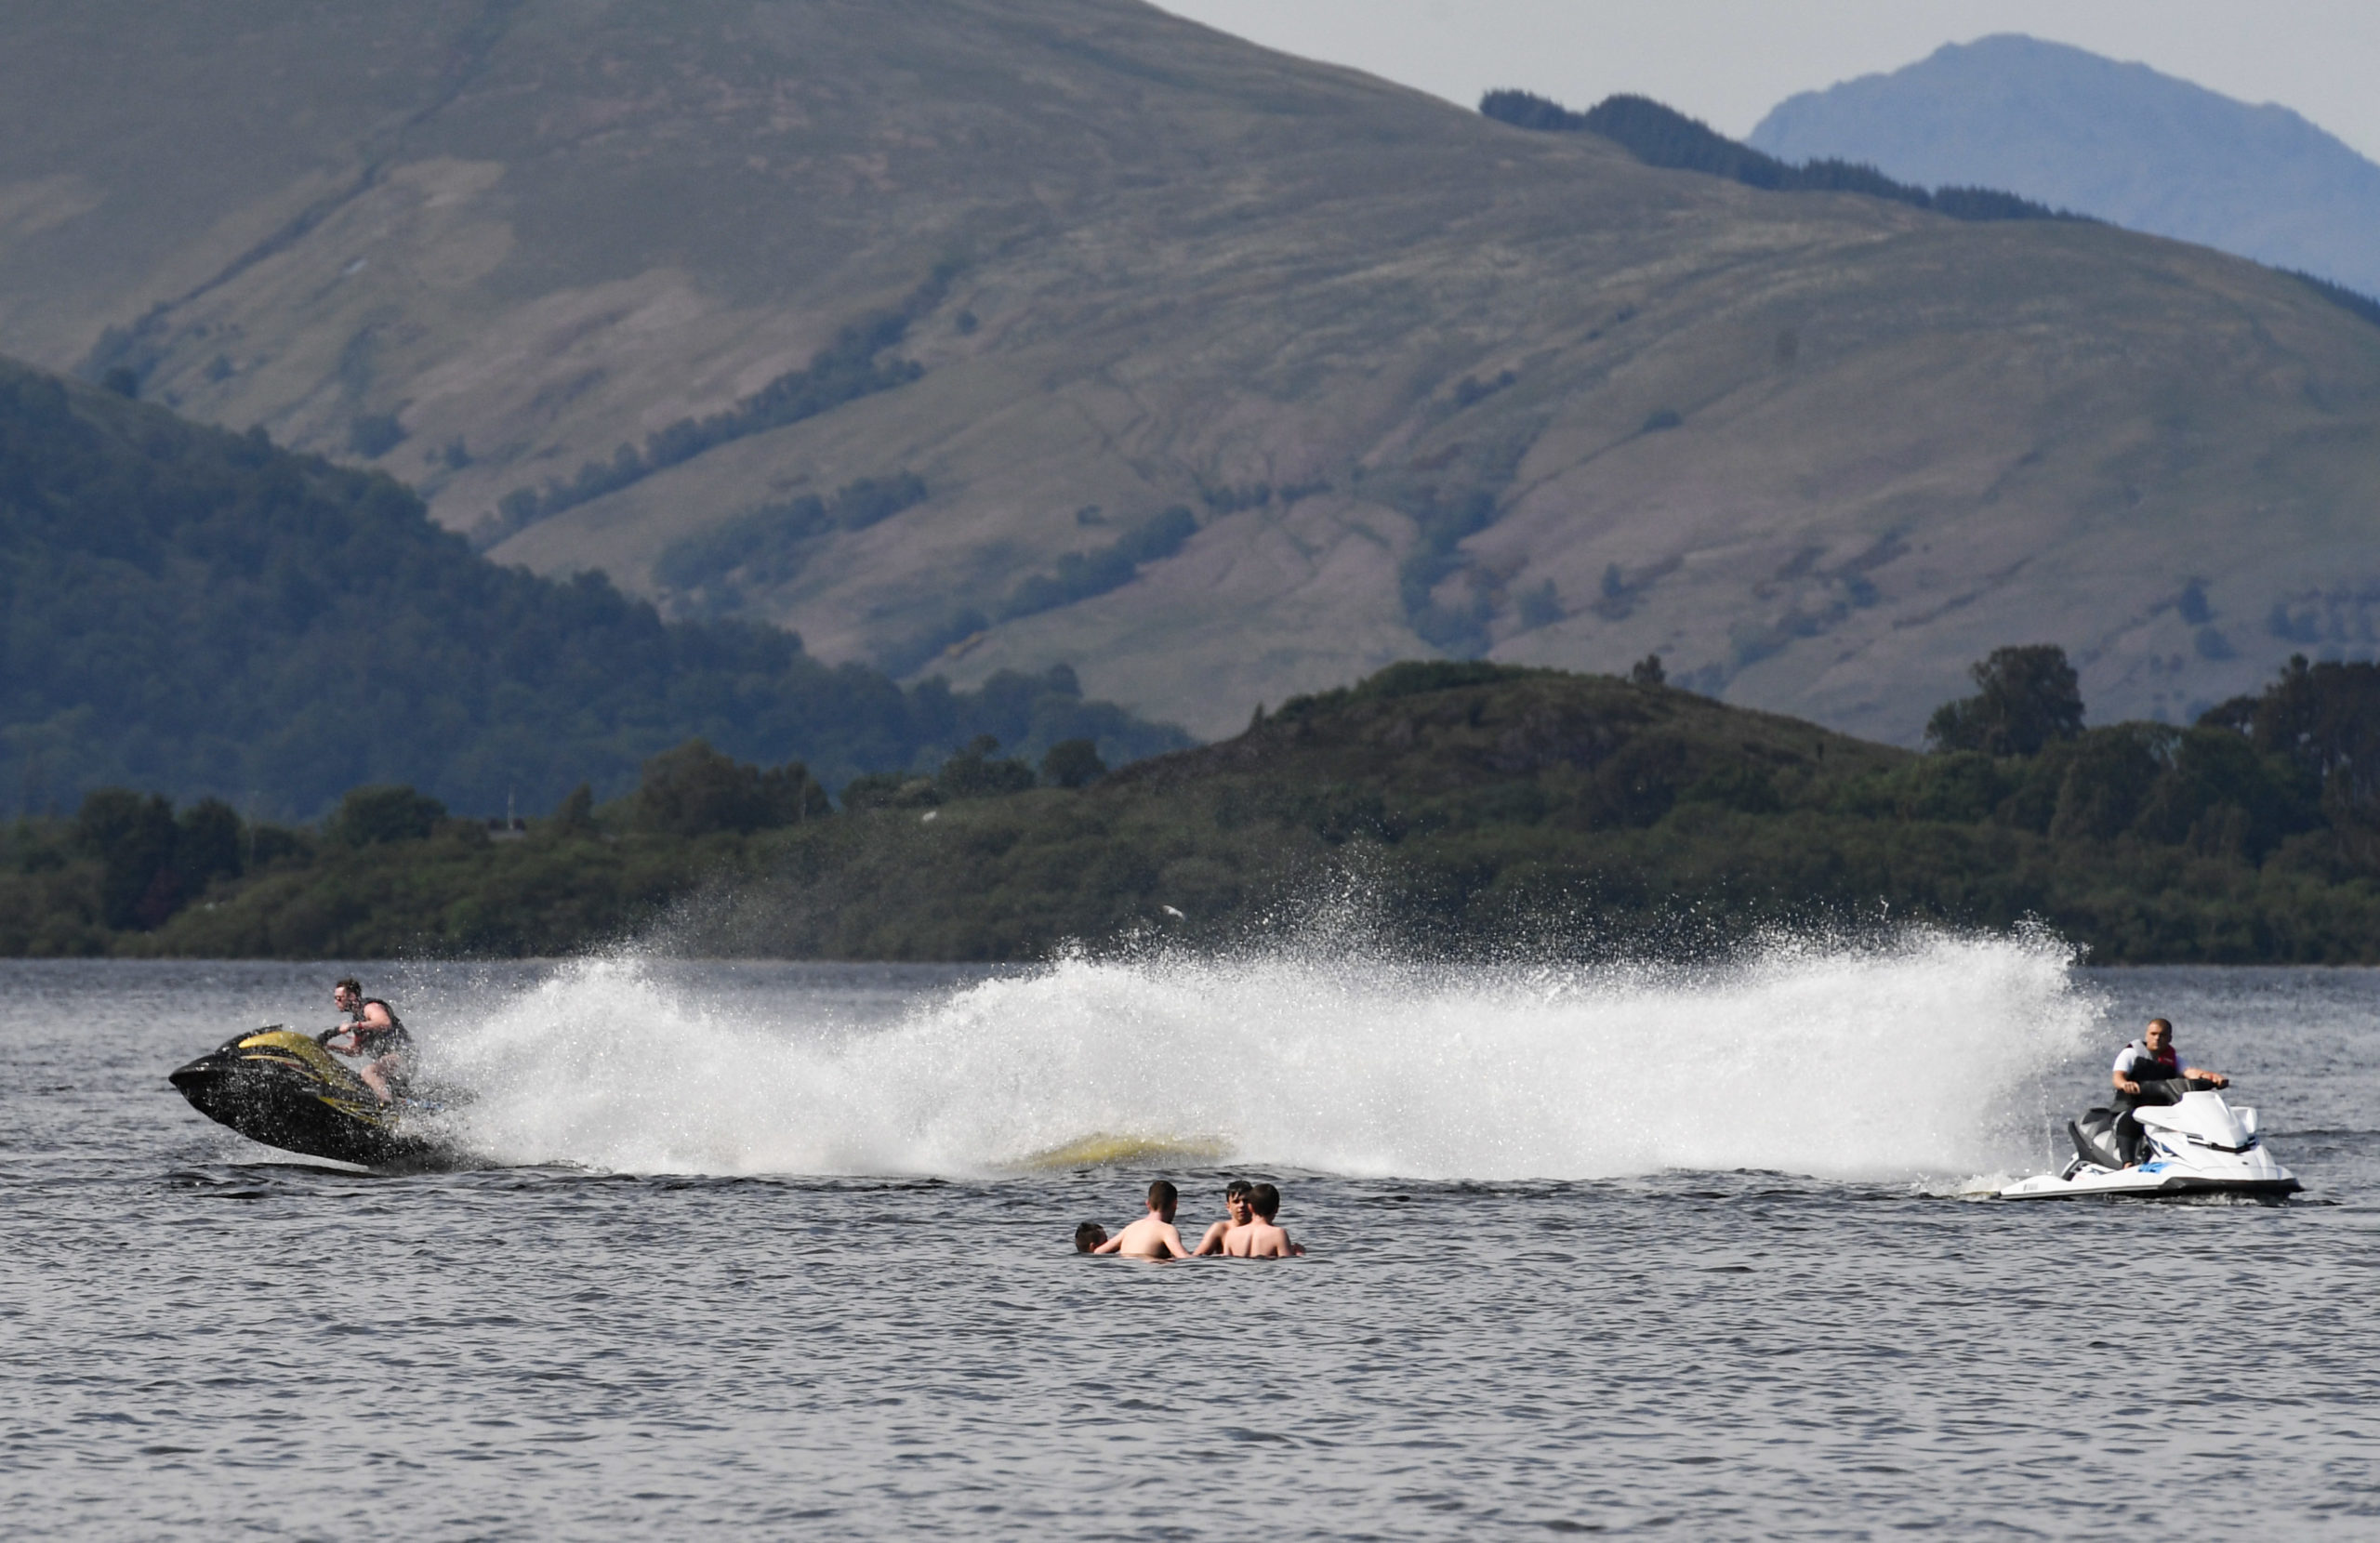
x: 374, y: 816
x: 973, y: 773
x: 1073, y: 763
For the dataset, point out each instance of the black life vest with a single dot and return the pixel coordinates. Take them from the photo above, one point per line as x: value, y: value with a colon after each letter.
x: 2155, y: 1065
x: 375, y: 1039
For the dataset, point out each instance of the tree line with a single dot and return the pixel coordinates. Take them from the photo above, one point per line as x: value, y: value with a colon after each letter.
x: 1483, y: 806
x: 153, y: 862
x: 1077, y: 576
x: 844, y: 371
x: 769, y: 545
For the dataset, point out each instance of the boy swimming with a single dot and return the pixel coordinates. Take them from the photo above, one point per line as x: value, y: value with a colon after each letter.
x: 1152, y: 1237
x: 1237, y: 1215
x: 1087, y: 1236
x: 1261, y: 1239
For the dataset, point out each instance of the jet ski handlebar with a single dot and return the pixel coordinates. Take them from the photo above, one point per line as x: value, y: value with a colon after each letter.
x: 2170, y: 1089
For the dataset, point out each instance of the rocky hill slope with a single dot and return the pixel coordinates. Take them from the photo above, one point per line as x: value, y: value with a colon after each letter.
x: 2118, y: 141
x: 965, y: 335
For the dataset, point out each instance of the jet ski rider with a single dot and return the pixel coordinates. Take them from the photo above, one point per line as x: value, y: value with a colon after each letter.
x: 375, y: 1032
x: 2144, y: 1068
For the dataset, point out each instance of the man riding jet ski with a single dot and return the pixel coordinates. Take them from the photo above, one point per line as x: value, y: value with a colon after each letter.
x: 283, y: 1087
x: 2144, y: 1071
x: 2170, y: 1132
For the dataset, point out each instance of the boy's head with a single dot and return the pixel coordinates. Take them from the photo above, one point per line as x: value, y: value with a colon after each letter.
x: 1264, y: 1200
x: 1236, y: 1199
x: 1090, y: 1235
x: 1163, y: 1198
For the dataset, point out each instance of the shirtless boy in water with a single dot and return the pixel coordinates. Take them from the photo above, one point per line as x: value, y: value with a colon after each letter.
x: 1260, y: 1239
x: 1237, y: 1215
x: 1152, y: 1237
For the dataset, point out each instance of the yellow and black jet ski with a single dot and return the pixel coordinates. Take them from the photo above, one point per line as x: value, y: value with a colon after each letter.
x: 283, y: 1089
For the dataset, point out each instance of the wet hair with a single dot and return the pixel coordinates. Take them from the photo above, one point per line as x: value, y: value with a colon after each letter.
x: 350, y: 984
x: 2165, y: 1024
x: 1264, y: 1200
x: 1235, y: 1187
x: 1090, y: 1235
x: 1162, y: 1193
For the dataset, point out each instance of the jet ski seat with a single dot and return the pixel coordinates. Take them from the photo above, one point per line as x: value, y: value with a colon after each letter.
x: 2094, y: 1139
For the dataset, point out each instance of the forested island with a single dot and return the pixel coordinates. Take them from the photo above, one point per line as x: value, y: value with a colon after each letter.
x: 1477, y: 808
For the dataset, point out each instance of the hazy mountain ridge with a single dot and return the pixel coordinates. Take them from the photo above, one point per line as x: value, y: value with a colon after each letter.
x: 1537, y: 399
x: 1660, y: 135
x: 2117, y: 140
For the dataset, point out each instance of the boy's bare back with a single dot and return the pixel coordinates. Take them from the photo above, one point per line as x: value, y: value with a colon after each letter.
x: 1152, y: 1237
x: 1261, y: 1239
x: 1149, y: 1238
x: 1258, y: 1240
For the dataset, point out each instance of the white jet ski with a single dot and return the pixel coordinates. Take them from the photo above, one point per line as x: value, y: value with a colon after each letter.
x: 2198, y: 1144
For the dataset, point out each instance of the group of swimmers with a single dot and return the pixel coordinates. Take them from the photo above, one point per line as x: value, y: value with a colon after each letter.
x: 1246, y: 1231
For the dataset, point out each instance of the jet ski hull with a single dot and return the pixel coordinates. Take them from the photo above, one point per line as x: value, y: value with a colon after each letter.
x: 2141, y: 1183
x: 282, y: 1088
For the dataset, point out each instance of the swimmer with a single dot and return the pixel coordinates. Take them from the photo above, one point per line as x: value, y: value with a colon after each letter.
x: 1152, y: 1237
x: 1260, y: 1239
x: 1237, y: 1215
x: 1088, y: 1236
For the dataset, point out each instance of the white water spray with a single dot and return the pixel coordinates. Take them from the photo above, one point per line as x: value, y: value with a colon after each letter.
x: 1921, y: 1056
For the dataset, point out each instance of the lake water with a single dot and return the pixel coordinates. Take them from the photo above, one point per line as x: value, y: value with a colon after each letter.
x: 775, y: 1250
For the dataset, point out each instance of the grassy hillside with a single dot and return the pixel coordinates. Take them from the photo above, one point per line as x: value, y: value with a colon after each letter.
x: 196, y: 612
x: 1428, y: 384
x: 1465, y: 809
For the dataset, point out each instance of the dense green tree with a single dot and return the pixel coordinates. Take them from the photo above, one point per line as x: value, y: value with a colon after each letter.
x: 134, y: 840
x: 694, y: 790
x: 2107, y: 776
x: 206, y: 845
x: 2325, y: 719
x: 577, y: 815
x: 2029, y: 696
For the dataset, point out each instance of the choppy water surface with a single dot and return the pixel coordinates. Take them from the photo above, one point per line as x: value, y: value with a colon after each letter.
x: 765, y: 1249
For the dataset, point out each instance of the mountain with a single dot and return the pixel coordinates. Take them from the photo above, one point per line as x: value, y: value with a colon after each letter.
x: 970, y: 335
x: 196, y: 612
x: 2119, y: 141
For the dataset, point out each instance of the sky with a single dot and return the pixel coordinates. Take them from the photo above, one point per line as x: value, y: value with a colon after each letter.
x: 1728, y: 61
